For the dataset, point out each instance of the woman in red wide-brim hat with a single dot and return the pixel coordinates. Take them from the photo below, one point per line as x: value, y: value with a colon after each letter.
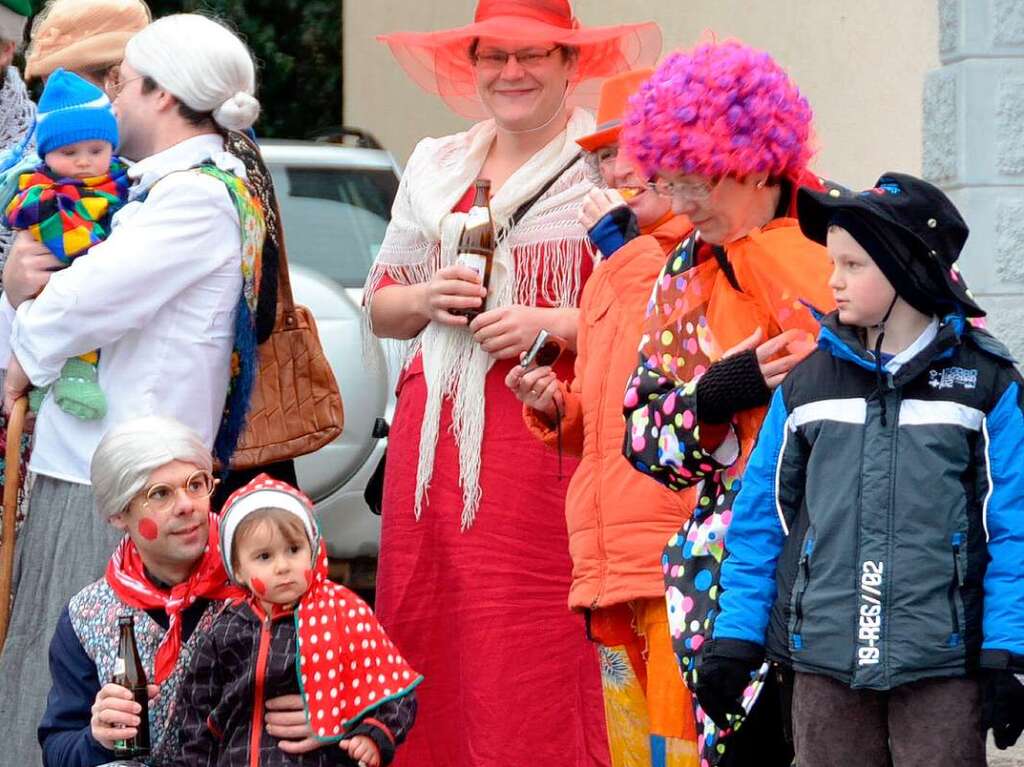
x: 474, y: 569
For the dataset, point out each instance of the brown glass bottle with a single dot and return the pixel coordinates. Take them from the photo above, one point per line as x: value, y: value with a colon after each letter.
x: 476, y: 243
x: 128, y: 672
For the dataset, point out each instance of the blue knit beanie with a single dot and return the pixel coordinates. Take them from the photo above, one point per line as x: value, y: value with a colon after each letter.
x: 72, y: 109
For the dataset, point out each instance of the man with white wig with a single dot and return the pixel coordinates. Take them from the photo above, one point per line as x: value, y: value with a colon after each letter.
x: 153, y: 482
x: 168, y: 299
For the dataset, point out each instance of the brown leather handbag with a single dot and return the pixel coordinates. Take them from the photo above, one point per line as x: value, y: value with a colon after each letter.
x: 296, y: 406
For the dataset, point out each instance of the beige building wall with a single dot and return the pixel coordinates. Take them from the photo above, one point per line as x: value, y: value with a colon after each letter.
x: 860, y: 64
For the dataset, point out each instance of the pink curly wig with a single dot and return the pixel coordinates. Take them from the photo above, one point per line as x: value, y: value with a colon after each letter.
x: 722, y: 109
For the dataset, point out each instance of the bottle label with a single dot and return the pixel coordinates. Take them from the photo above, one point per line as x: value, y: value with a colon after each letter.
x: 473, y: 261
x: 119, y: 667
x: 477, y: 216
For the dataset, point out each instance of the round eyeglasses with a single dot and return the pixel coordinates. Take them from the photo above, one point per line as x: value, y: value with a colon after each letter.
x: 198, y: 485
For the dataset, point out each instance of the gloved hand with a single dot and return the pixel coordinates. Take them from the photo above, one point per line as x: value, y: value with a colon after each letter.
x: 730, y: 385
x: 724, y: 669
x: 615, y: 227
x: 1002, y: 705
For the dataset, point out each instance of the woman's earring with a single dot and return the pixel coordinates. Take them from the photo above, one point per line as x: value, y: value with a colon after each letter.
x: 760, y: 184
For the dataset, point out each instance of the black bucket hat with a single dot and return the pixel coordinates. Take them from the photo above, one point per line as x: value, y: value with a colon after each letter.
x: 922, y: 229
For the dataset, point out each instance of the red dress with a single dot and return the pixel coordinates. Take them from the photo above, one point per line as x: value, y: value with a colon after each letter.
x: 510, y: 678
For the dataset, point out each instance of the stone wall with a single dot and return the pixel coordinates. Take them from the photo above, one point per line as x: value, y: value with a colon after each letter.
x: 973, y: 146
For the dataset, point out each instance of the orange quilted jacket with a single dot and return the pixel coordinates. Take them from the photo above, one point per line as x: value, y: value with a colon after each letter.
x: 618, y: 518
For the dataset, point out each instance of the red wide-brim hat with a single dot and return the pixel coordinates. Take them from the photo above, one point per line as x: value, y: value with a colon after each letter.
x: 439, y: 62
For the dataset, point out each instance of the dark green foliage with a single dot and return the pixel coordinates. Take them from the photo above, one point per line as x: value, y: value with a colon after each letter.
x: 297, y: 46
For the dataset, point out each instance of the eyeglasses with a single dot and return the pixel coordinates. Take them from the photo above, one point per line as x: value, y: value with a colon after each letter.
x: 160, y: 497
x: 527, y: 58
x: 118, y: 87
x: 682, y: 191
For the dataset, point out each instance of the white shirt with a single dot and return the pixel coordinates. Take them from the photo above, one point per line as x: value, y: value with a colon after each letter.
x: 157, y: 298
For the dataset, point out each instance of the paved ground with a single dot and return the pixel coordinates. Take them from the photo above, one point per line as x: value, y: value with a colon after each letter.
x: 1012, y: 757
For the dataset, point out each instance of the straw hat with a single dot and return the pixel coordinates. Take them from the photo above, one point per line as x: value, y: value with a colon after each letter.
x: 79, y: 35
x: 439, y: 62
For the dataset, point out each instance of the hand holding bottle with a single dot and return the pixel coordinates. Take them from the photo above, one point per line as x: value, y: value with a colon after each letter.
x: 115, y: 714
x: 452, y: 288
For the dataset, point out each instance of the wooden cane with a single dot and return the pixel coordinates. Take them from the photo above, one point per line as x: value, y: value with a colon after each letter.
x: 12, y: 483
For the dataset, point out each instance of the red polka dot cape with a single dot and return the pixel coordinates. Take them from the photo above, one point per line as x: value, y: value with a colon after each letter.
x: 345, y: 663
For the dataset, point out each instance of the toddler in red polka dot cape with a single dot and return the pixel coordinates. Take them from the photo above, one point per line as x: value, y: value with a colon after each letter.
x: 296, y: 632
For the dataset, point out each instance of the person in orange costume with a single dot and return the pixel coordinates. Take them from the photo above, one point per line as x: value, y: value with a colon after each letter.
x: 618, y: 520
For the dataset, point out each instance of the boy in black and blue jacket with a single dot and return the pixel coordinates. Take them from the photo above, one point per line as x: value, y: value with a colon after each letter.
x: 877, y: 545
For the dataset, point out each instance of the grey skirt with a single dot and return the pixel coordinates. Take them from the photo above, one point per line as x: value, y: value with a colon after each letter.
x: 62, y: 547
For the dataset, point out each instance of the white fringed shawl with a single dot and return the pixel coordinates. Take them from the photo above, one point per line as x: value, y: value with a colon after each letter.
x: 538, y: 261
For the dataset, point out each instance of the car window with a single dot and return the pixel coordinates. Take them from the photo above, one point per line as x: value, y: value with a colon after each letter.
x: 335, y: 218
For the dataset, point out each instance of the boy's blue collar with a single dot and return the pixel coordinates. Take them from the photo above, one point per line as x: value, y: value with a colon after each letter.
x: 843, y: 341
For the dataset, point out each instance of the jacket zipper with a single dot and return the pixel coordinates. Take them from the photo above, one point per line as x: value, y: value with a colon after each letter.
x: 892, y: 524
x: 602, y: 561
x: 798, y: 607
x: 256, y: 735
x: 954, y: 586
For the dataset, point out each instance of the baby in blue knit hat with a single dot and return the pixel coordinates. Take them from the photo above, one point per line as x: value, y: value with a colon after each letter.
x: 67, y: 201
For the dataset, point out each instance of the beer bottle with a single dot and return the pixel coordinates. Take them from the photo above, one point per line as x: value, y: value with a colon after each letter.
x: 476, y: 244
x: 128, y: 673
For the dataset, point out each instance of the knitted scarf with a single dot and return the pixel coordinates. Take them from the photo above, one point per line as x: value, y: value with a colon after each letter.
x: 126, y: 575
x: 17, y: 113
x: 67, y: 215
x: 536, y: 262
x: 17, y: 121
x: 244, y: 358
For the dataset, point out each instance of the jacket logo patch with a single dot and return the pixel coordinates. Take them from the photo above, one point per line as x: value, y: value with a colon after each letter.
x: 870, y: 618
x: 947, y: 378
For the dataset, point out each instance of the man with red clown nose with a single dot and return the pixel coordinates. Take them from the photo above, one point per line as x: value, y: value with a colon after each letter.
x: 293, y: 632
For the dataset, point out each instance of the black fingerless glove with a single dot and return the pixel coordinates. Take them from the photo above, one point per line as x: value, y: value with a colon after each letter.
x: 729, y: 386
x: 1002, y: 696
x: 724, y: 669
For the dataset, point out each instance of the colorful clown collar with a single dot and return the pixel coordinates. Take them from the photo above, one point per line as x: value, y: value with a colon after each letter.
x: 346, y: 665
x: 67, y: 215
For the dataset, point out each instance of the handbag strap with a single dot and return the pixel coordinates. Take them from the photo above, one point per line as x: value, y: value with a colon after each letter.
x: 523, y: 209
x: 285, y: 299
x: 249, y: 152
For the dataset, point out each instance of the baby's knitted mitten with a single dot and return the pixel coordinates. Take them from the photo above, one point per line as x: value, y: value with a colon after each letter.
x: 78, y: 392
x: 36, y: 395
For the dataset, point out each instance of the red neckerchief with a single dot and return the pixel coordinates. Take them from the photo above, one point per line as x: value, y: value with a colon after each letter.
x: 126, y: 576
x: 346, y: 664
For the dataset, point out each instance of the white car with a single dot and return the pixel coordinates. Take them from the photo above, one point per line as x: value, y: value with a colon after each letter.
x: 335, y: 205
